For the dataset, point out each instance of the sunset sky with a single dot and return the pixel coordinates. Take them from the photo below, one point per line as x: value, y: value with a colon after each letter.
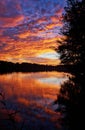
x: 29, y: 30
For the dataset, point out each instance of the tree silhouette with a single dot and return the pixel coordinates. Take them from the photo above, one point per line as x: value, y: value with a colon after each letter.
x: 72, y: 46
x: 72, y: 52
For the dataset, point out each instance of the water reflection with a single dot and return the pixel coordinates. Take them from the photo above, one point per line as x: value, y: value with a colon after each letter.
x: 30, y: 97
x: 70, y: 101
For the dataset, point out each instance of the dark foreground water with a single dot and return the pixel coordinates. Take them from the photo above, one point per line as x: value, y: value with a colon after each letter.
x: 26, y: 101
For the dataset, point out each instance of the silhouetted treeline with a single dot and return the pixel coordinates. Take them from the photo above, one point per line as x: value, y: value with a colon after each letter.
x: 8, y: 67
x: 23, y: 67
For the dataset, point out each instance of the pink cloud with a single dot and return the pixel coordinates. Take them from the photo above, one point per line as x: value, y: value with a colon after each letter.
x: 11, y: 22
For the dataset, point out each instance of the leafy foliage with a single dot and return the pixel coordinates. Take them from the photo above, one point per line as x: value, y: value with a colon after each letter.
x: 72, y: 47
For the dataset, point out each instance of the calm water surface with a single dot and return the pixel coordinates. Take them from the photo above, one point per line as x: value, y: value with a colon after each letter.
x: 29, y: 97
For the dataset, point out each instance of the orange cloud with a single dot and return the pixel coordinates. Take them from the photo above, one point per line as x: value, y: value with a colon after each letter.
x: 11, y: 22
x: 24, y: 37
x: 42, y: 20
x: 20, y: 51
x: 59, y: 12
x: 54, y: 19
x: 52, y: 25
x: 10, y: 15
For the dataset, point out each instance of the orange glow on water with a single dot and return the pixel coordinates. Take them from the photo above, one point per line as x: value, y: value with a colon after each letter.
x: 33, y: 93
x: 33, y: 84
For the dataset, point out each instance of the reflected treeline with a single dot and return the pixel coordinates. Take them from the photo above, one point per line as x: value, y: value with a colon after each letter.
x: 71, y: 101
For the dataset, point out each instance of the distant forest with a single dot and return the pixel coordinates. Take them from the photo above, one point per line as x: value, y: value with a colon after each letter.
x: 9, y: 67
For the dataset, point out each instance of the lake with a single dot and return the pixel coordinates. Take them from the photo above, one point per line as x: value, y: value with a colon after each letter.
x: 27, y: 100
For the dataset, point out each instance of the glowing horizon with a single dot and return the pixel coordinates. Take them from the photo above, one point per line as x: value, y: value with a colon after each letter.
x: 29, y: 30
